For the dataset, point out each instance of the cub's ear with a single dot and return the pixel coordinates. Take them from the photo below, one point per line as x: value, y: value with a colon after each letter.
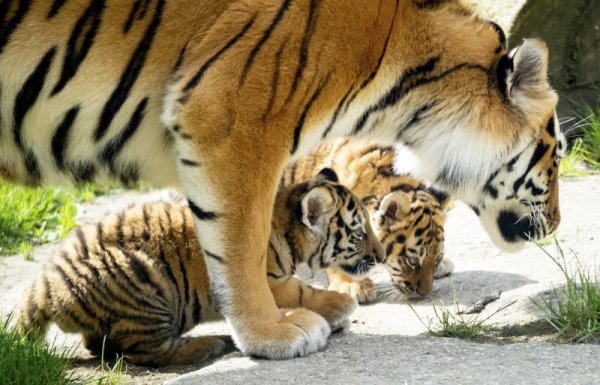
x: 395, y: 205
x: 524, y: 69
x: 327, y: 174
x: 317, y: 205
x: 443, y: 198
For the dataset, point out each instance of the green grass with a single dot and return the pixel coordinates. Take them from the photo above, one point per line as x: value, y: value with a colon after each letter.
x: 590, y: 138
x: 450, y: 322
x: 31, y: 216
x: 30, y: 362
x: 573, y: 310
x: 114, y: 375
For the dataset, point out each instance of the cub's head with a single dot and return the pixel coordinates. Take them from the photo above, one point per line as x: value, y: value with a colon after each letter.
x: 484, y: 127
x: 410, y: 224
x: 335, y: 227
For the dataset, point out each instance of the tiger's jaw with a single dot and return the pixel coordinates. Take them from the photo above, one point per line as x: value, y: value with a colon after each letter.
x: 512, y: 228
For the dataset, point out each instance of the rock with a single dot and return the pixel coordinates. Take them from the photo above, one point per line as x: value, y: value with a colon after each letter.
x: 572, y: 31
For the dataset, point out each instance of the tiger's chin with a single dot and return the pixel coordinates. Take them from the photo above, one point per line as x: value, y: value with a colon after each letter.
x: 511, y: 230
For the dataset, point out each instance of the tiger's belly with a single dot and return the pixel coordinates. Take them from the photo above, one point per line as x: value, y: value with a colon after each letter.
x: 57, y: 146
x: 82, y: 87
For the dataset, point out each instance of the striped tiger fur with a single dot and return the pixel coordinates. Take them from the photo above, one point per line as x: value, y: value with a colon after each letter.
x: 407, y: 216
x: 215, y: 97
x: 138, y: 278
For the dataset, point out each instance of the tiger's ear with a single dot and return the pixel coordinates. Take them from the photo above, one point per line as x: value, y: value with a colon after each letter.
x: 395, y: 205
x: 327, y: 174
x: 317, y: 206
x: 524, y: 69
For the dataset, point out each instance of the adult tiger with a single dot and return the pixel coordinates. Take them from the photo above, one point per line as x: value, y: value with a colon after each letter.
x: 250, y: 84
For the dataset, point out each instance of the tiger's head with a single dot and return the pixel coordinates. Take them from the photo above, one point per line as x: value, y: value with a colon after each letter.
x: 410, y: 224
x: 484, y: 127
x: 335, y: 226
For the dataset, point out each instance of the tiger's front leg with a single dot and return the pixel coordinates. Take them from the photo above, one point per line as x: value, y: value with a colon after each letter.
x: 230, y: 186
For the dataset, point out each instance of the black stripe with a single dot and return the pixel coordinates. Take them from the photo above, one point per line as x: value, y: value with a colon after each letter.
x: 197, y: 310
x: 56, y: 6
x: 7, y: 27
x: 83, y: 171
x: 78, y: 296
x: 120, y: 230
x: 302, y: 119
x: 396, y: 92
x: 275, y: 83
x: 198, y: 76
x: 379, y: 61
x: 60, y: 139
x: 135, y: 8
x: 200, y: 213
x: 538, y: 154
x: 216, y: 257
x: 80, y: 42
x: 121, y: 279
x: 414, y: 119
x: 308, y: 31
x: 112, y: 149
x: 278, y: 258
x: 190, y: 163
x: 25, y: 99
x: 184, y: 274
x: 129, y: 75
x: 282, y: 10
x: 300, y: 295
x: 179, y: 60
x: 431, y: 4
x: 336, y: 113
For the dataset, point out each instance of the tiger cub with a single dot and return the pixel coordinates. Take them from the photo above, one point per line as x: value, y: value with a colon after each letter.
x: 139, y: 277
x: 407, y: 216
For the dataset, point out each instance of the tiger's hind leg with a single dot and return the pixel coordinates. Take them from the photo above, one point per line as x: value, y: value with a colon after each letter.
x: 333, y: 306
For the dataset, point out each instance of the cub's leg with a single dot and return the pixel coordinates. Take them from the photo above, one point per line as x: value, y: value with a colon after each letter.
x: 230, y: 178
x: 154, y: 350
x: 444, y: 268
x: 362, y: 290
x: 333, y: 306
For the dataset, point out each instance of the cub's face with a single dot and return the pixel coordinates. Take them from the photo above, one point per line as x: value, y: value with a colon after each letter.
x: 339, y: 223
x: 410, y: 225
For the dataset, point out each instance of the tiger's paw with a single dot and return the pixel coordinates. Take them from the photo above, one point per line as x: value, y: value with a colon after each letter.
x: 445, y: 268
x: 298, y: 333
x: 362, y: 291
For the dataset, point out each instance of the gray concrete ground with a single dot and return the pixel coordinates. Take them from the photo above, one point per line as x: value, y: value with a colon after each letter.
x: 385, y: 343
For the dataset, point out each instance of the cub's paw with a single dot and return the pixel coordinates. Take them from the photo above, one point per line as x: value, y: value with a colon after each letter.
x: 362, y: 291
x: 299, y: 332
x: 197, y: 349
x: 333, y: 306
x: 445, y: 268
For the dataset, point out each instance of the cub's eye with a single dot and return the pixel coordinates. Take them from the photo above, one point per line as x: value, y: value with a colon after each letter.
x: 358, y: 234
x: 413, y: 262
